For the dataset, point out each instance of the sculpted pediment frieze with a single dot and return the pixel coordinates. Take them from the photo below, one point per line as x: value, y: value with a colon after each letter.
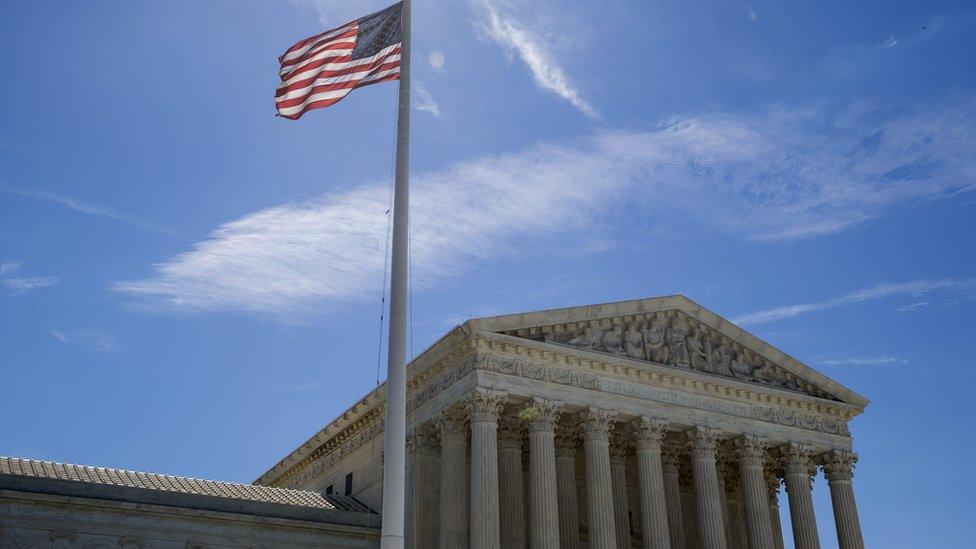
x: 672, y: 338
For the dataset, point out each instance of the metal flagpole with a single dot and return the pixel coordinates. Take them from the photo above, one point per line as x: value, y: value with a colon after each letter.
x: 394, y: 461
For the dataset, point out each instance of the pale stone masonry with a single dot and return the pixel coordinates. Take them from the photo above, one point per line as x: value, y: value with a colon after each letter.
x: 651, y: 423
x: 46, y: 504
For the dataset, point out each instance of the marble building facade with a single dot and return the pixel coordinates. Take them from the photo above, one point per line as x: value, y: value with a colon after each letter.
x: 651, y: 423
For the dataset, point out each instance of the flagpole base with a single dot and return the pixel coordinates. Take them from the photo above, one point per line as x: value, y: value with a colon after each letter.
x: 391, y: 542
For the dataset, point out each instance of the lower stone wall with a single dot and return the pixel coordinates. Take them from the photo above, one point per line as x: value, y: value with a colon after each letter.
x: 30, y: 520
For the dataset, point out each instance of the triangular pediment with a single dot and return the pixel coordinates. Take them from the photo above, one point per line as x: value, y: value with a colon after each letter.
x: 676, y: 332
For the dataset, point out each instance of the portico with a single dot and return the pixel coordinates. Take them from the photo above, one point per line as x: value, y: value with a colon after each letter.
x: 651, y: 423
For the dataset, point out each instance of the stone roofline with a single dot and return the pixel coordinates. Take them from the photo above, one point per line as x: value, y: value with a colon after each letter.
x: 13, y: 485
x: 474, y: 332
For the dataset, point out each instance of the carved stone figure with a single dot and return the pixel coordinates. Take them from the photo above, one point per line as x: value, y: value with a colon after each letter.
x: 613, y: 340
x: 655, y: 346
x: 633, y: 342
x: 589, y: 338
x: 696, y: 351
x: 677, y: 342
x: 740, y: 367
x: 767, y: 374
x: 721, y: 360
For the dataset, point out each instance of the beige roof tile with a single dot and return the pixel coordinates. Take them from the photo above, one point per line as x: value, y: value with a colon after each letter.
x: 170, y: 483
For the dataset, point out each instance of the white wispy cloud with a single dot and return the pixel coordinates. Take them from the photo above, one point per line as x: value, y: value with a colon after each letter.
x: 102, y: 342
x: 84, y: 207
x: 890, y: 42
x: 436, y: 60
x: 336, y: 12
x: 774, y: 175
x: 423, y: 101
x: 912, y: 307
x: 751, y: 13
x: 12, y: 286
x: 914, y: 288
x: 9, y: 267
x: 863, y: 361
x: 515, y: 37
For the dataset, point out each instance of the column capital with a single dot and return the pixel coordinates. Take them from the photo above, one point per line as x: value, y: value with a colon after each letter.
x: 671, y: 457
x: 619, y: 445
x: 751, y: 450
x: 567, y: 439
x: 541, y: 414
x: 510, y: 432
x: 648, y: 432
x: 798, y: 460
x: 596, y: 423
x: 797, y: 457
x: 485, y: 405
x: 703, y: 441
x: 772, y: 485
x: 424, y: 440
x: 838, y: 465
x: 452, y: 422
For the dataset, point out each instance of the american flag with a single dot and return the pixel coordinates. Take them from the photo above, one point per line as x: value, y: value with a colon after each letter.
x: 320, y: 70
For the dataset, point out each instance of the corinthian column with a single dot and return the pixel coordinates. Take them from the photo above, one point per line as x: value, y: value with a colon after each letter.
x: 838, y: 466
x: 566, y: 488
x: 736, y: 533
x: 752, y: 487
x: 511, y: 495
x: 454, y: 480
x: 648, y: 434
x: 424, y: 496
x: 542, y: 414
x: 772, y: 491
x: 670, y: 467
x: 798, y: 476
x: 485, y: 407
x: 708, y: 498
x: 596, y: 426
x: 618, y: 475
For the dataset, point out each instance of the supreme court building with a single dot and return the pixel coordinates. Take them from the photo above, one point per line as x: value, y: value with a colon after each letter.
x: 651, y: 423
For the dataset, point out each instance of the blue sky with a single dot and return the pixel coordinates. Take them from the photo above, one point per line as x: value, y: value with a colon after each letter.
x: 190, y: 285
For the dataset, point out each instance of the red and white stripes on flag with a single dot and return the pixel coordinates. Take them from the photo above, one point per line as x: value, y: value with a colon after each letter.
x: 319, y: 71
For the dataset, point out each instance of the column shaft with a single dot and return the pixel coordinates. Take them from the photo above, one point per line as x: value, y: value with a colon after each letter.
x: 752, y: 490
x: 777, y: 524
x: 542, y: 466
x: 511, y: 498
x: 453, y: 481
x: 424, y: 510
x: 621, y: 517
x: 650, y: 476
x: 772, y: 492
x: 798, y: 488
x: 567, y: 493
x: 708, y: 498
x: 485, y: 530
x: 596, y: 425
x: 723, y: 500
x: 737, y: 518
x: 839, y: 468
x: 670, y: 460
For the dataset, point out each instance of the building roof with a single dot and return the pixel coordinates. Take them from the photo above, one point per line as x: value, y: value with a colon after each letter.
x: 35, y: 469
